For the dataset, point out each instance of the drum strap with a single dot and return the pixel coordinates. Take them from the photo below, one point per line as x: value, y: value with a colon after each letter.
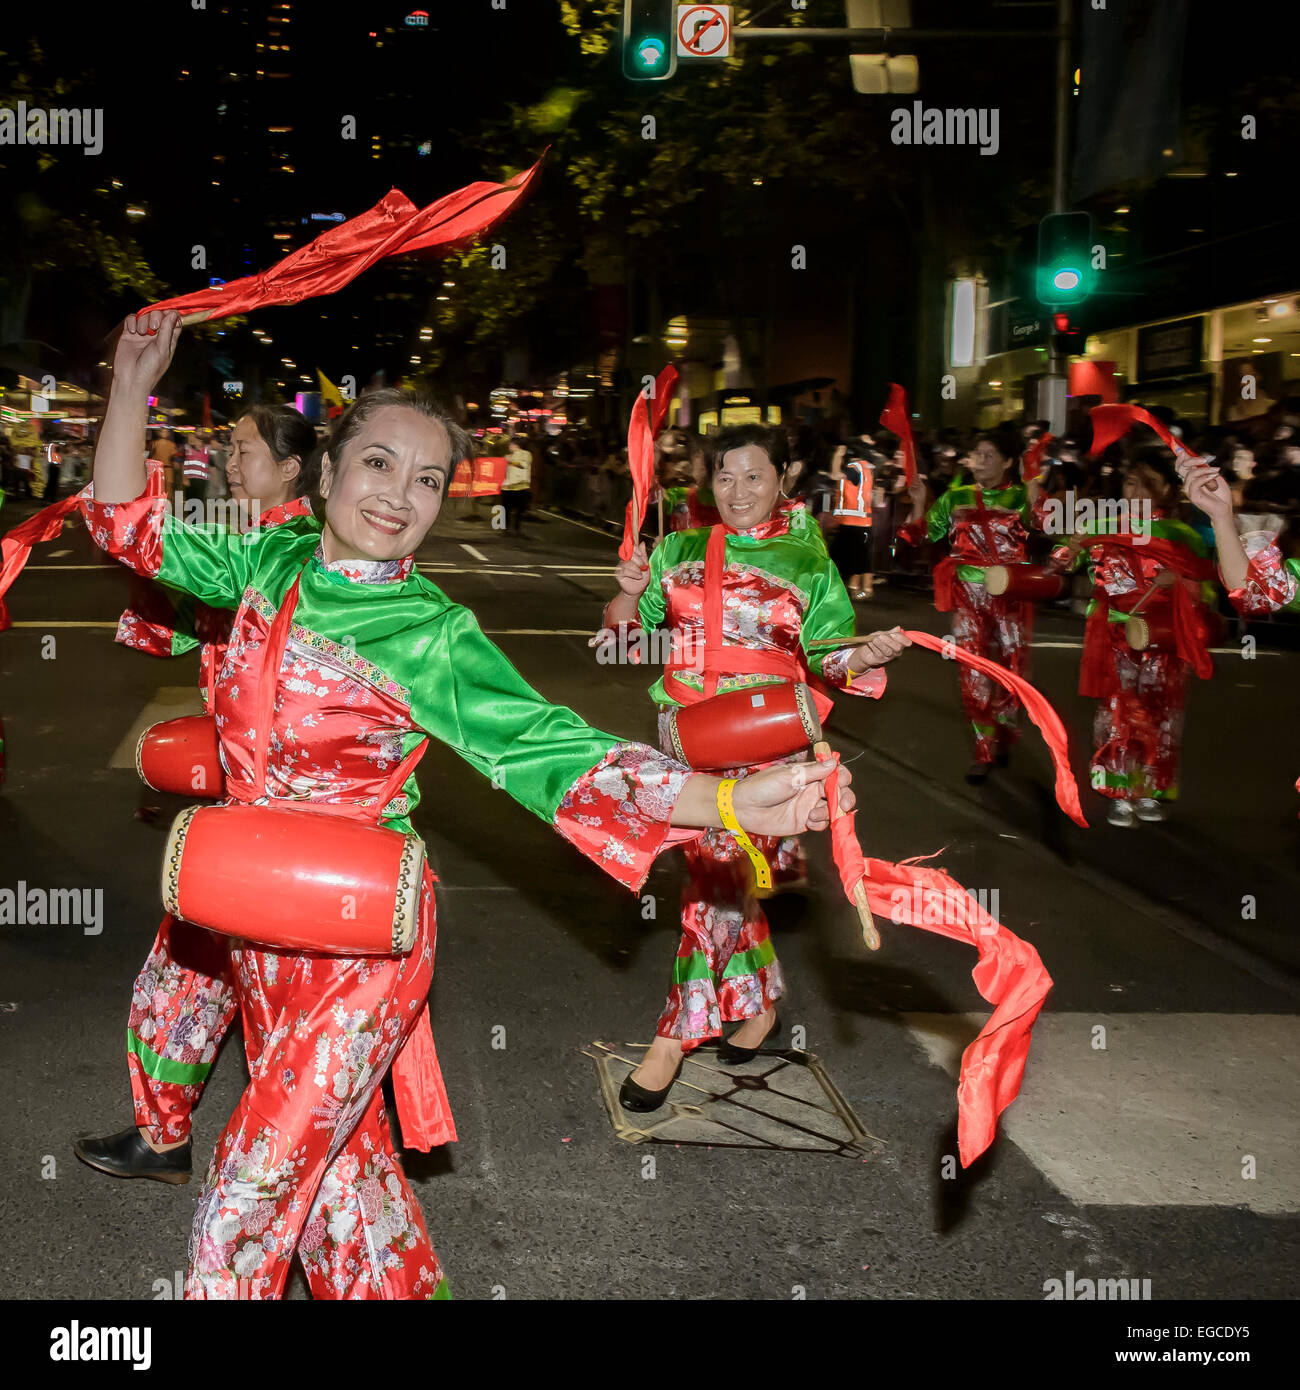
x: 276, y: 642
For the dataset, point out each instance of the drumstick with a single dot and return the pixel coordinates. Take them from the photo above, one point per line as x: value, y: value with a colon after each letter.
x: 841, y: 641
x: 1160, y: 582
x: 870, y: 936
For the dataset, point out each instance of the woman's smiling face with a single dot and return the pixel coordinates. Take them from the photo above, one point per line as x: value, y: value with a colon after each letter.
x: 385, y: 490
x: 745, y: 487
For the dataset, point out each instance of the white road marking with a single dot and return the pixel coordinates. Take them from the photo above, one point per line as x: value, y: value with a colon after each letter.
x: 1169, y: 1113
x: 169, y: 702
x: 54, y: 554
x: 559, y: 516
x: 477, y: 554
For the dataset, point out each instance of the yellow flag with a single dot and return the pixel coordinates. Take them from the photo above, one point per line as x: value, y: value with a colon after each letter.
x: 329, y: 392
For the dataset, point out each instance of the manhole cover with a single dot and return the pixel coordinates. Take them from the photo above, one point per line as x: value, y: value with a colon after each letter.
x: 782, y: 1100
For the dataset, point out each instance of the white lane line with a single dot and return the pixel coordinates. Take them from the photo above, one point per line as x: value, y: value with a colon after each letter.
x: 1076, y: 645
x: 169, y: 702
x: 54, y: 554
x: 477, y: 554
x: 1164, y: 1114
x: 559, y: 516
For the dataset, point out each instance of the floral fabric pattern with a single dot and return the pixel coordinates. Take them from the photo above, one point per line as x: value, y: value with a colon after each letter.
x: 998, y: 629
x: 1272, y: 583
x: 309, y: 1141
x: 181, y: 1008
x: 618, y: 813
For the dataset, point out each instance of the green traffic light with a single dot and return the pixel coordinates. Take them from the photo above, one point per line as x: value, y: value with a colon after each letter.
x: 1065, y: 250
x: 649, y: 53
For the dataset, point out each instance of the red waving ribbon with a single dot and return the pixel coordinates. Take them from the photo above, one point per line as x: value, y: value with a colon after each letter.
x: 1031, y: 464
x: 393, y: 227
x: 1112, y: 422
x: 17, y: 546
x: 1010, y: 975
x: 895, y: 417
x: 1037, y: 707
x: 647, y: 421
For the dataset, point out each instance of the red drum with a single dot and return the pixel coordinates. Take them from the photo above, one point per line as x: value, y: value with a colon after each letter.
x: 295, y: 880
x: 1028, y: 582
x: 180, y: 756
x: 744, y: 727
x: 1153, y: 629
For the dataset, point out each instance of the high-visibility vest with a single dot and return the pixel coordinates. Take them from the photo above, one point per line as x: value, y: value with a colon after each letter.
x: 853, y: 503
x: 195, y: 466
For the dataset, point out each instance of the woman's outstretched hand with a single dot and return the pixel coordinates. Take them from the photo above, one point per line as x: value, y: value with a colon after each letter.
x: 790, y: 799
x: 879, y: 648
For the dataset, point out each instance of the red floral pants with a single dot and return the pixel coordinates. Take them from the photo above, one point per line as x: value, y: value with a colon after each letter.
x: 726, y: 968
x: 306, y: 1162
x: 993, y: 627
x: 1138, y: 730
x: 181, y: 1008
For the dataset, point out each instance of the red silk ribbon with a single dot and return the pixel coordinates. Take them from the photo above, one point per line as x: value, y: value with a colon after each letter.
x: 895, y: 417
x: 1112, y: 422
x: 393, y: 227
x: 16, y: 546
x: 1037, y: 707
x: 1009, y: 974
x: 646, y: 422
x: 1031, y: 464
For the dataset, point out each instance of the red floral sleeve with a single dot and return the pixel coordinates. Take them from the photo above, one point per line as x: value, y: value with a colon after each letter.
x: 618, y: 813
x: 1272, y: 583
x: 835, y: 670
x: 128, y: 531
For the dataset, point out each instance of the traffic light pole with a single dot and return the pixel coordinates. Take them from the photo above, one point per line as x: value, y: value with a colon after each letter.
x: 1053, y: 387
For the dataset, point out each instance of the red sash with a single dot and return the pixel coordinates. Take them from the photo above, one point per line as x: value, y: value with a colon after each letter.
x: 422, y: 1103
x: 1193, y: 622
x: 728, y: 659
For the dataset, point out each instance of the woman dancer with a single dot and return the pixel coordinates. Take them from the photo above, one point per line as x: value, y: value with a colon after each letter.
x: 985, y: 522
x: 778, y: 600
x: 1147, y: 561
x: 183, y: 1002
x: 342, y: 664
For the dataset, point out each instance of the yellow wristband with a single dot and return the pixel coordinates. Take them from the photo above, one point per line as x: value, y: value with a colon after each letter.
x: 727, y: 812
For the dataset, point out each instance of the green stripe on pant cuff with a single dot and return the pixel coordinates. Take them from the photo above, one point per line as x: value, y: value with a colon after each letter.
x: 750, y: 962
x: 162, y: 1068
x: 696, y: 965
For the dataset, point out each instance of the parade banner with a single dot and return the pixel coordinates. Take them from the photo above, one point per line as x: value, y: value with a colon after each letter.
x: 481, y: 477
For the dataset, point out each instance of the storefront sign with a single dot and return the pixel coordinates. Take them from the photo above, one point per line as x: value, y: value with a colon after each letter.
x: 1169, y: 349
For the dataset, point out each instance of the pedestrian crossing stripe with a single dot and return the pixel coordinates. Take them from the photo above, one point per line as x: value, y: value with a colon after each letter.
x: 1146, y: 1109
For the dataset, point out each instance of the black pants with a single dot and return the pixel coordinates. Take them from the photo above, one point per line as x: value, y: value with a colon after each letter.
x: 851, y: 551
x: 516, y: 503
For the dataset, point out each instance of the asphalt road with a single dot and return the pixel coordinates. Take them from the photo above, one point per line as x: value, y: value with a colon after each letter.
x: 1155, y: 1137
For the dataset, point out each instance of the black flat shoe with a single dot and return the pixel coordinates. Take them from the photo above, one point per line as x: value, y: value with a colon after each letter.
x: 126, y: 1155
x: 1003, y: 758
x: 978, y: 774
x: 634, y: 1097
x: 732, y: 1055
